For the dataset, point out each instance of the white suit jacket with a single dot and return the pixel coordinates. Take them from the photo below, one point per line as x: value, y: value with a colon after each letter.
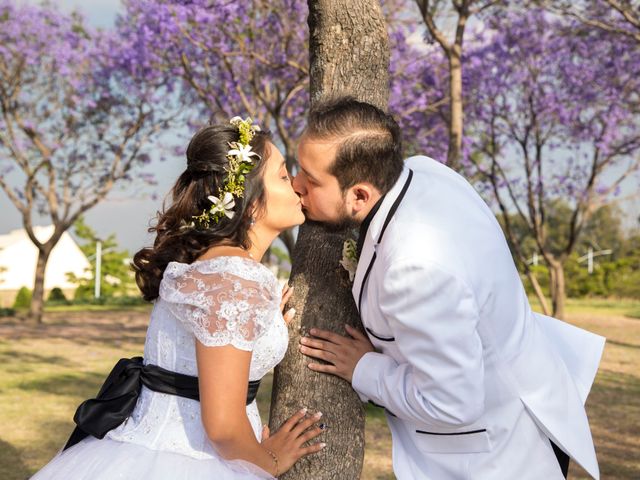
x: 473, y: 382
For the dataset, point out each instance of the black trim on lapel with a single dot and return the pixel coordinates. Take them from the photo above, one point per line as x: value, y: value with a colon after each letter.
x: 382, y: 339
x: 392, y: 211
x: 453, y: 433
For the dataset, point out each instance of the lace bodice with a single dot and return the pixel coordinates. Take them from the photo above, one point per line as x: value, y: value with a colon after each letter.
x: 219, y: 301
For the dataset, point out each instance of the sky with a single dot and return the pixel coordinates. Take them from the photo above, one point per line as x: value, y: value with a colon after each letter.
x: 128, y: 214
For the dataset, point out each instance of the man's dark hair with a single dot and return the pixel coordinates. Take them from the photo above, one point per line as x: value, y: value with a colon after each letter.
x: 370, y: 144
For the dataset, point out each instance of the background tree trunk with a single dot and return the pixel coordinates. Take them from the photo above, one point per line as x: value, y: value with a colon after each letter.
x: 349, y: 55
x: 557, y: 288
x: 456, y: 121
x: 37, y: 296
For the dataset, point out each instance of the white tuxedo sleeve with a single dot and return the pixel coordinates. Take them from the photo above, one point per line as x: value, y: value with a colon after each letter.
x: 433, y: 316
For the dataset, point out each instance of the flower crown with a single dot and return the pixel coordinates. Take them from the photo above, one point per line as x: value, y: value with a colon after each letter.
x: 240, y: 164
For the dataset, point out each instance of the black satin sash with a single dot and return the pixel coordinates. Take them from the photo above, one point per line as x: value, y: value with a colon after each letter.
x: 118, y: 396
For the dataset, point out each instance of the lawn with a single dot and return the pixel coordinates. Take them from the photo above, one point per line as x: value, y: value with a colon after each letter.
x: 47, y: 370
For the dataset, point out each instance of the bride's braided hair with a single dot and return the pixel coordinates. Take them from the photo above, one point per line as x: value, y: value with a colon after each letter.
x: 176, y: 240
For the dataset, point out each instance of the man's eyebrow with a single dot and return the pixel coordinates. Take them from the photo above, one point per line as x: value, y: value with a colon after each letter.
x: 307, y: 173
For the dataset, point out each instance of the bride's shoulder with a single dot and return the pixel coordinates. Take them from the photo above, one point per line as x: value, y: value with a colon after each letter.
x: 218, y: 273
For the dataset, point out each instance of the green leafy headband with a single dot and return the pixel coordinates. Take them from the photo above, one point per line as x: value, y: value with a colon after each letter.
x: 240, y: 164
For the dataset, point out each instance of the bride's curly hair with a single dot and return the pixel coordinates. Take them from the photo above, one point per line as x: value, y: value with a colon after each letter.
x: 204, y: 175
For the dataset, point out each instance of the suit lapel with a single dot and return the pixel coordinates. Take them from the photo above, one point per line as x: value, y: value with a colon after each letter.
x: 375, y: 232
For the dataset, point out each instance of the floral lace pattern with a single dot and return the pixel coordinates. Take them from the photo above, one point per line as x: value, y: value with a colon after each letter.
x: 220, y: 306
x: 221, y: 301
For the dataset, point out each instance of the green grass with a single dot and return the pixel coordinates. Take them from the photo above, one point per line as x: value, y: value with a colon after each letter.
x: 601, y: 306
x: 48, y: 370
x: 98, y: 308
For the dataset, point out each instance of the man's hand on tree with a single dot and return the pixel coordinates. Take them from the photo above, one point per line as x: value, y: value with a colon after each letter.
x: 341, y: 353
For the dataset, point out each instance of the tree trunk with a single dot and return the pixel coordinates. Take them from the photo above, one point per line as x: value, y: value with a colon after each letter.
x: 349, y: 55
x: 322, y: 296
x: 557, y: 287
x: 37, y: 297
x: 455, y: 124
x: 348, y: 51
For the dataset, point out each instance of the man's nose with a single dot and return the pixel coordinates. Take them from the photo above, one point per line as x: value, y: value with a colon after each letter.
x: 296, y: 183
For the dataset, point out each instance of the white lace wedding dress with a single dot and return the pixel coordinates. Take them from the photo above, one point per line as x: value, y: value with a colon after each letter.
x: 219, y: 301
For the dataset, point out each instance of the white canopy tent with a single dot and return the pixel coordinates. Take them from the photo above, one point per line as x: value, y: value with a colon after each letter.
x: 18, y: 258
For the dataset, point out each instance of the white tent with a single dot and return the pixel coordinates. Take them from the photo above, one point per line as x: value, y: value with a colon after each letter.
x: 18, y: 256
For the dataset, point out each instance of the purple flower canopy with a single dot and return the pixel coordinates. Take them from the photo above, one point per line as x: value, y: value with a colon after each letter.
x: 578, y: 85
x: 550, y: 95
x: 239, y: 58
x: 77, y: 116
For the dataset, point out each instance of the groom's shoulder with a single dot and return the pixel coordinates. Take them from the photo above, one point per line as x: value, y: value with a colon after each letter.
x: 422, y: 163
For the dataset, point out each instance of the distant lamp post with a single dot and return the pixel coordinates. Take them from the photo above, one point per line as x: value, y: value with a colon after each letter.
x: 591, y: 255
x: 96, y: 292
x: 98, y: 272
x: 533, y: 260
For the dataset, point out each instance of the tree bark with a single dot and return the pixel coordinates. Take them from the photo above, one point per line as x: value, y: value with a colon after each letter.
x: 557, y: 288
x: 349, y: 55
x: 456, y: 121
x: 37, y: 297
x: 453, y: 51
x: 348, y: 51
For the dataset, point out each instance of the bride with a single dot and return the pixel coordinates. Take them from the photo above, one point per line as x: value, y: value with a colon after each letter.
x: 215, y: 330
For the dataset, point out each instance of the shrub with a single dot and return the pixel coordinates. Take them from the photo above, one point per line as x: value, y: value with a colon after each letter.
x: 57, y: 295
x: 23, y: 298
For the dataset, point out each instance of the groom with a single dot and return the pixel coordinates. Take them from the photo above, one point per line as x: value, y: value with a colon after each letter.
x: 475, y: 385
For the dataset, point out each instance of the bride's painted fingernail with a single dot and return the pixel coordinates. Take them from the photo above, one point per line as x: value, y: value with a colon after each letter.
x: 291, y: 312
x: 318, y: 414
x: 322, y: 445
x: 304, y: 410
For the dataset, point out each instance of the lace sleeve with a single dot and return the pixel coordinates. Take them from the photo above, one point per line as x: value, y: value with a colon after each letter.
x: 220, y: 308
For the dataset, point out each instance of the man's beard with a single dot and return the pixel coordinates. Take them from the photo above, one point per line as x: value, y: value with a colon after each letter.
x: 341, y: 224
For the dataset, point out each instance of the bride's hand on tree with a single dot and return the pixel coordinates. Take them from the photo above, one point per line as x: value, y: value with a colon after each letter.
x: 287, y: 291
x: 288, y: 442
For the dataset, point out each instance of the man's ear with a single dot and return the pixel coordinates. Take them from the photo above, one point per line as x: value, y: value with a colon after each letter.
x: 361, y: 197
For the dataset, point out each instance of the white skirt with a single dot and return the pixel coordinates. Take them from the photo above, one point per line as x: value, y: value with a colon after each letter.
x: 108, y: 459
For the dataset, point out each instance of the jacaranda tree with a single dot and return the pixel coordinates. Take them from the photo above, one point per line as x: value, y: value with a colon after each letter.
x: 550, y: 122
x: 77, y: 113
